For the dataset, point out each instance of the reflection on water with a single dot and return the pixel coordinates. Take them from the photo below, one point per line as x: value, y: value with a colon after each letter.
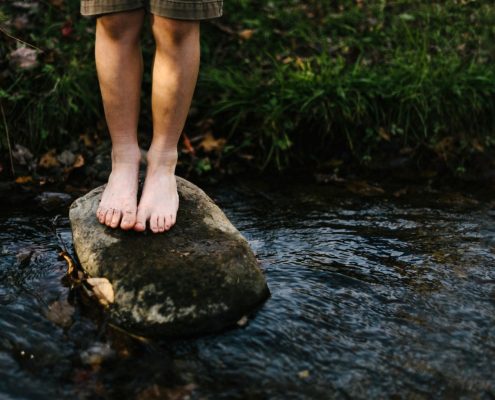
x: 371, y: 298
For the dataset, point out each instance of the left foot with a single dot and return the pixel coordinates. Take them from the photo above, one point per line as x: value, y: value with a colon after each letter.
x: 160, y: 201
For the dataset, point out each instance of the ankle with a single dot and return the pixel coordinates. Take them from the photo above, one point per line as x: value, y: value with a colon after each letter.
x: 125, y: 154
x: 163, y: 159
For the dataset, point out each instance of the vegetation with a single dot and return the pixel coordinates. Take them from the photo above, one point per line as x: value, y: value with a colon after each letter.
x: 282, y: 83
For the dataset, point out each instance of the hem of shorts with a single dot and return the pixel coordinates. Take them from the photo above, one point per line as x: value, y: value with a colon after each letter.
x: 187, y: 11
x: 107, y: 9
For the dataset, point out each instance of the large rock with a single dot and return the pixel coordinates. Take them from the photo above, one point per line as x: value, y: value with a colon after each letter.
x: 198, y: 277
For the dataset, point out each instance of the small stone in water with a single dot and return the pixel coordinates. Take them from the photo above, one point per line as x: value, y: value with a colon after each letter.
x: 242, y: 321
x: 303, y: 374
x: 97, y: 353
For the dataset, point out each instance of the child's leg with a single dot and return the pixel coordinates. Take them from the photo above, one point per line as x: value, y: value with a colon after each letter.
x: 120, y: 67
x: 175, y: 71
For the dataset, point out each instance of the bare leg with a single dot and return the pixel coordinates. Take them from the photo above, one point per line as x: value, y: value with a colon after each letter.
x: 175, y: 71
x: 119, y: 66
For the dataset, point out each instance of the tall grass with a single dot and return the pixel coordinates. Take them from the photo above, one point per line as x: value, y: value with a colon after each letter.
x: 289, y: 82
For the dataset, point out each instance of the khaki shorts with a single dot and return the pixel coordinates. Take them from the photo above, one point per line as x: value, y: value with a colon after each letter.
x: 180, y: 9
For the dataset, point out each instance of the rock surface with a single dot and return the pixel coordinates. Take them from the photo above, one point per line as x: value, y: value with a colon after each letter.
x: 199, y: 277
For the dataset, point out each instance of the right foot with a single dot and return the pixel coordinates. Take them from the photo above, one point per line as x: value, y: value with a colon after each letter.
x: 118, y: 203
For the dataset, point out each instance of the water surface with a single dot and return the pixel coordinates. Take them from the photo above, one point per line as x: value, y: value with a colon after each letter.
x: 372, y: 297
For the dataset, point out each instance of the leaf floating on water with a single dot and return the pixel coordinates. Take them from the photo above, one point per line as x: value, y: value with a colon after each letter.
x: 60, y: 312
x: 102, y: 289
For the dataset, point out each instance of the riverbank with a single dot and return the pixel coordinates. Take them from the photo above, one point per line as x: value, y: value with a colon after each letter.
x: 315, y: 86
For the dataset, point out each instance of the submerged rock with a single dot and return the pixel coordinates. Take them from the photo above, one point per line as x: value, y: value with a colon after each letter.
x: 198, y: 277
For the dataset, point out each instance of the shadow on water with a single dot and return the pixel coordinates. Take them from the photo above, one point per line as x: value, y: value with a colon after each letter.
x: 372, y: 297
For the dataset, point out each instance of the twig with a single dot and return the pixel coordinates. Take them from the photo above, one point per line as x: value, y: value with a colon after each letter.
x: 19, y: 40
x: 8, y: 140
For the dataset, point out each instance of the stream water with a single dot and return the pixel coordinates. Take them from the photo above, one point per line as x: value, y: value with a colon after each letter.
x: 371, y: 297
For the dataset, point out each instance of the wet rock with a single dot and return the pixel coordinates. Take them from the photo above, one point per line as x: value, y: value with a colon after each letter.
x: 198, y: 277
x: 53, y: 200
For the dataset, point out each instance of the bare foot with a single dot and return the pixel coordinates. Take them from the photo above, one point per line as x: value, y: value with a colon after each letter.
x: 160, y: 201
x: 118, y: 202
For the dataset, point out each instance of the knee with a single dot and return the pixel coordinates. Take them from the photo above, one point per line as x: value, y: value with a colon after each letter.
x: 122, y: 26
x: 175, y: 32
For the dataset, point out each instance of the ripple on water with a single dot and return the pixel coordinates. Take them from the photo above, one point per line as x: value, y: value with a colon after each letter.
x: 370, y: 299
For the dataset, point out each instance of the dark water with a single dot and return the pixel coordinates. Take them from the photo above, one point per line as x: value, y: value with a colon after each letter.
x: 372, y: 297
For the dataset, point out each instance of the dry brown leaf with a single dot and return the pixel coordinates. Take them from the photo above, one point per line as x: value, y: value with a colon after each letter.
x: 383, y: 134
x: 246, y: 34
x: 49, y: 159
x: 209, y: 143
x: 79, y: 162
x: 477, y: 145
x: 102, y: 289
x: 70, y: 262
x: 187, y: 144
x: 23, y: 179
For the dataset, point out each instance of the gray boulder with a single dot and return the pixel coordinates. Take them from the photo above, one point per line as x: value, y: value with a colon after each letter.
x: 199, y: 277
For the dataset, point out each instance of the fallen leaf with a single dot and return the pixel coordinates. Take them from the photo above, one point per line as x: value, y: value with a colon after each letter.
x: 383, y: 134
x: 187, y: 144
x: 49, y: 160
x: 24, y: 58
x: 23, y: 179
x: 70, y: 262
x: 21, y: 154
x: 477, y: 145
x: 21, y: 22
x: 246, y: 34
x: 79, y: 162
x: 60, y: 312
x: 209, y: 143
x: 102, y: 289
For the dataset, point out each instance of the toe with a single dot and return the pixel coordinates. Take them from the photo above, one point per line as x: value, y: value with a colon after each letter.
x: 172, y: 219
x: 100, y: 214
x: 129, y: 219
x: 140, y: 224
x: 168, y: 222
x: 108, y: 216
x: 116, y: 218
x: 154, y: 223
x: 161, y: 223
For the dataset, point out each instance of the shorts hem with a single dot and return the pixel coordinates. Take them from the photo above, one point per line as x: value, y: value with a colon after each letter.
x: 187, y: 10
x: 97, y: 9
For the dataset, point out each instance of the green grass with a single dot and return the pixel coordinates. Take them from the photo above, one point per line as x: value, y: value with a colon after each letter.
x: 291, y: 83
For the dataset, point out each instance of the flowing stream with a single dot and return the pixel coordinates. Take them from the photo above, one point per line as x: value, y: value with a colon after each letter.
x: 387, y: 296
